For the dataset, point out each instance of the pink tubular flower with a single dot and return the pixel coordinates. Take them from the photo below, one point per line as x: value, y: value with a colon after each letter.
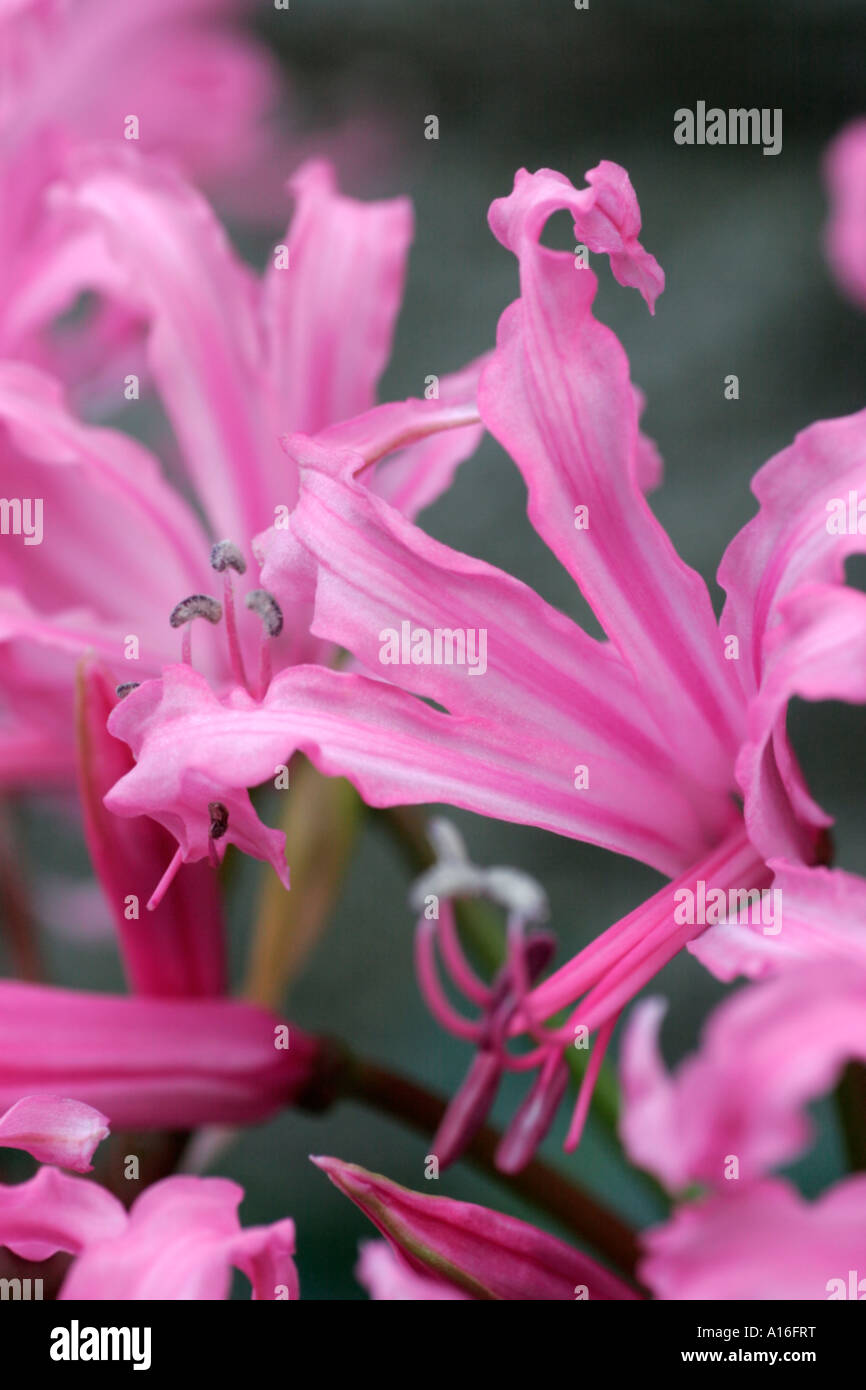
x: 845, y: 236
x: 731, y: 1112
x: 54, y: 1130
x: 150, y: 1063
x: 236, y: 362
x: 179, y: 1240
x: 482, y: 1253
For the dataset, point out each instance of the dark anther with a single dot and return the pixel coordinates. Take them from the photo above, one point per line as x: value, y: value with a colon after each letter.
x: 196, y: 606
x: 219, y: 819
x: 263, y: 603
x: 124, y: 689
x: 226, y: 555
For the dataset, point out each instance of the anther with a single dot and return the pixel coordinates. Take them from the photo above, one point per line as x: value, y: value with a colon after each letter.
x: 263, y: 603
x: 196, y: 606
x: 226, y: 555
x: 124, y: 689
x: 219, y: 819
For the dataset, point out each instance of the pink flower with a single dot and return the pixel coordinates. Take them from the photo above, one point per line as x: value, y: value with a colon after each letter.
x: 179, y: 951
x: 387, y: 1277
x: 150, y: 1063
x: 640, y: 743
x: 766, y: 1053
x: 180, y: 1239
x: 180, y: 78
x: 236, y: 363
x: 481, y: 1253
x: 763, y: 1243
x: 845, y: 236
x: 54, y: 1130
x: 729, y: 1114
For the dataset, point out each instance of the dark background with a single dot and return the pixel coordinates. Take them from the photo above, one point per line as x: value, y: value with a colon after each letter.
x: 536, y: 83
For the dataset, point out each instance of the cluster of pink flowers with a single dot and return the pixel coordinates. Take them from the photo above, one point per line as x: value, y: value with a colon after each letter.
x: 284, y: 483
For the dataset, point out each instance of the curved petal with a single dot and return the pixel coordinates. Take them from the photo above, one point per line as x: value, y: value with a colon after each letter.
x: 181, y: 950
x: 762, y: 1243
x: 204, y: 345
x: 509, y: 662
x: 180, y: 1242
x: 823, y: 916
x: 329, y: 314
x: 801, y: 534
x: 557, y: 396
x: 815, y: 650
x: 192, y: 749
x: 97, y: 489
x: 53, y: 1211
x: 54, y: 1130
x: 765, y: 1054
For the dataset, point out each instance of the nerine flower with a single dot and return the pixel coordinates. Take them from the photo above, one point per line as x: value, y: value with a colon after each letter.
x: 125, y: 565
x: 725, y: 1118
x: 179, y: 77
x: 665, y: 741
x: 179, y: 1240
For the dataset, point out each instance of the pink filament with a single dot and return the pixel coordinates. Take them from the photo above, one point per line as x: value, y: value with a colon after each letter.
x: 235, y: 654
x: 164, y: 884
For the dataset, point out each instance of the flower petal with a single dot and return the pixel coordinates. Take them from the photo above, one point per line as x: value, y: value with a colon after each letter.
x: 557, y: 396
x: 346, y: 268
x: 764, y: 1242
x: 388, y: 1278
x: 485, y: 1253
x: 765, y: 1053
x: 823, y: 912
x: 192, y: 748
x: 54, y: 1130
x: 181, y: 949
x: 54, y: 1211
x: 205, y: 345
x: 180, y: 1242
x: 149, y: 1063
